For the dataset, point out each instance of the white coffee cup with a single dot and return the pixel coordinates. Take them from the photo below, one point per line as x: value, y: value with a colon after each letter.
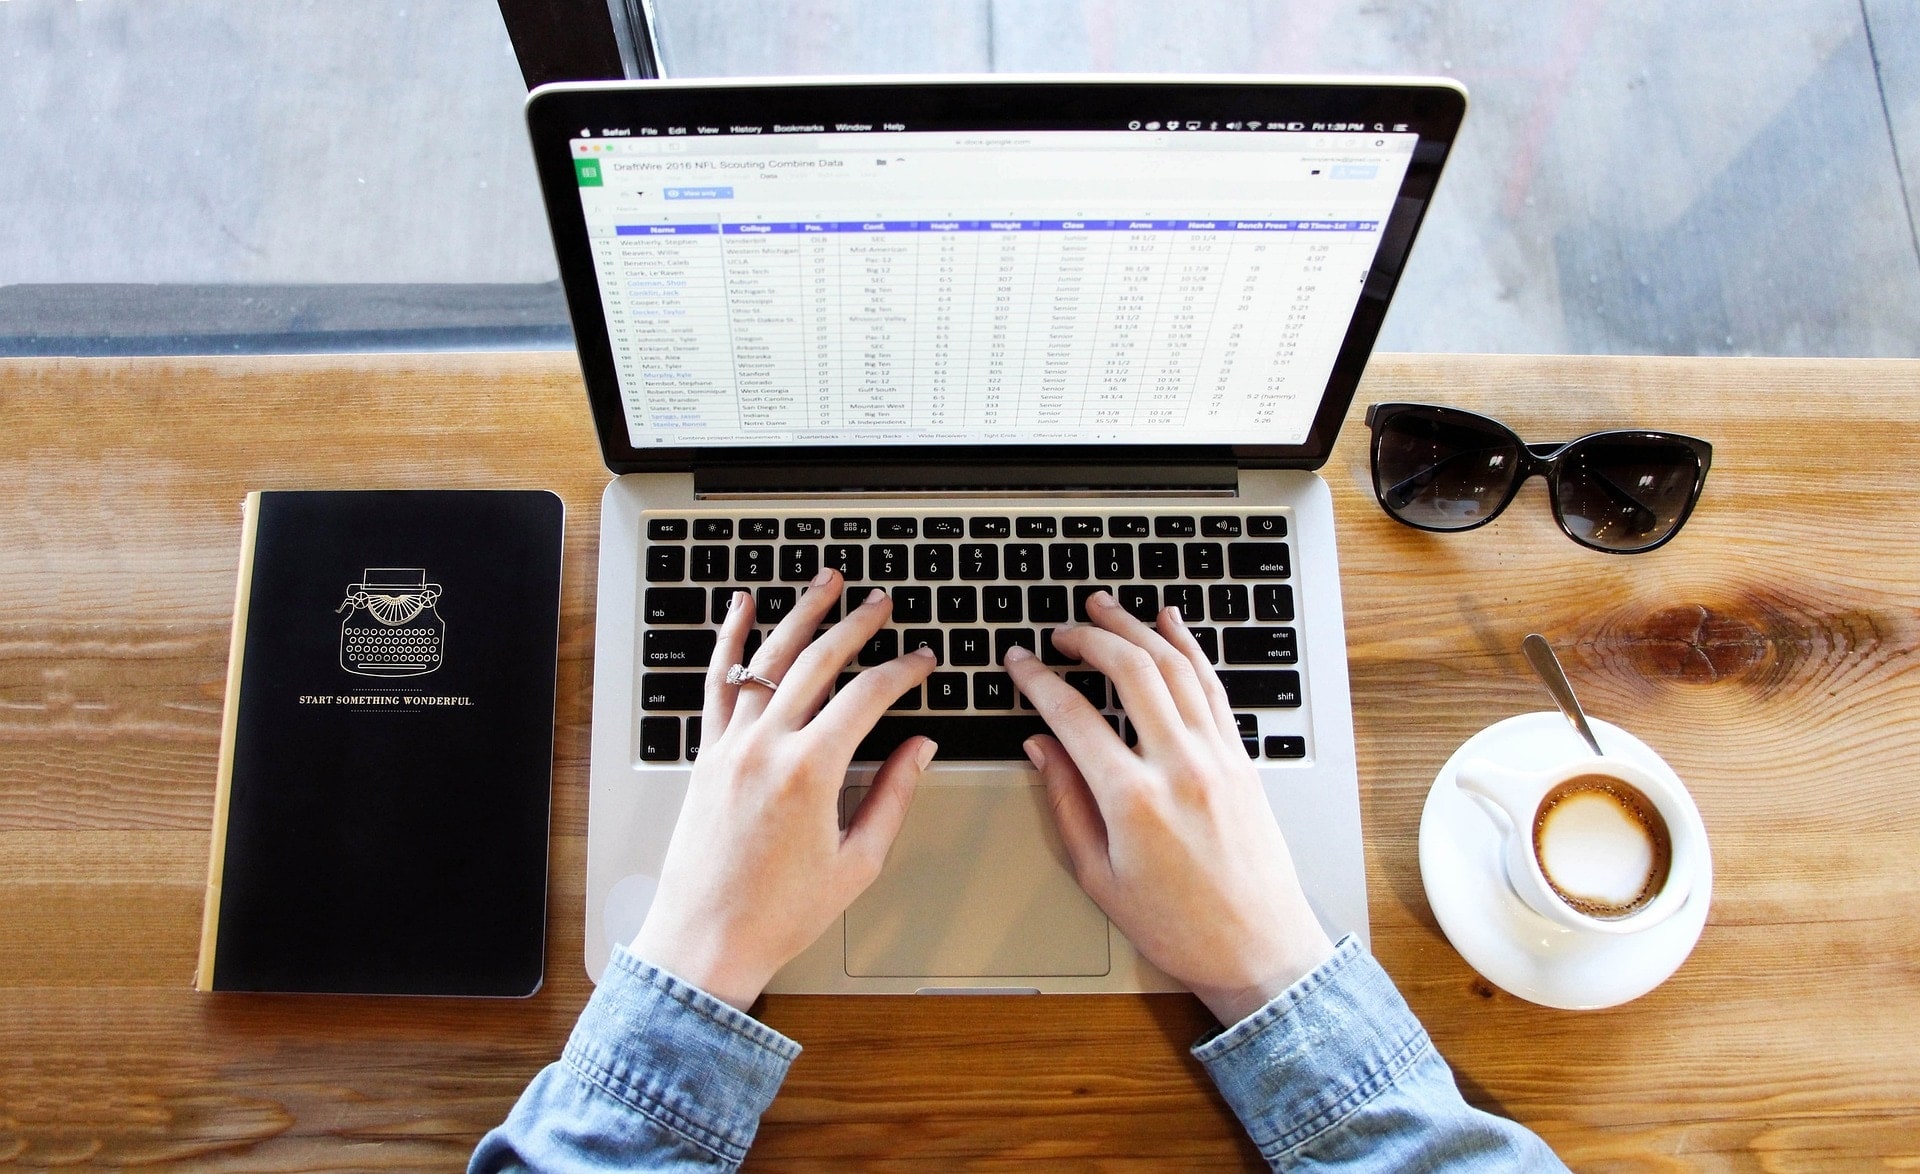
x: 1595, y: 844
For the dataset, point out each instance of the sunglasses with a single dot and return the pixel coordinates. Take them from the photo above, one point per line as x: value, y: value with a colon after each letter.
x: 1622, y: 492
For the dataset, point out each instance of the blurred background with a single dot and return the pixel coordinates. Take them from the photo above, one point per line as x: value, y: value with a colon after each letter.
x: 1634, y: 177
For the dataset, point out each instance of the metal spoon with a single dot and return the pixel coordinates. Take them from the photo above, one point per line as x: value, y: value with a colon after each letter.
x: 1540, y: 656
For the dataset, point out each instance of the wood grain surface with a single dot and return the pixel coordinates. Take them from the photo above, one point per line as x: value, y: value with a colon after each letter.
x: 1767, y: 653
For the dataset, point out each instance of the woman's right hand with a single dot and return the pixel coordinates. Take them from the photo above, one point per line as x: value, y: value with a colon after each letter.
x: 1174, y: 839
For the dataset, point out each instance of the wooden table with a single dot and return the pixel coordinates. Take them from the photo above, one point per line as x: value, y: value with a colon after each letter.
x: 1768, y: 653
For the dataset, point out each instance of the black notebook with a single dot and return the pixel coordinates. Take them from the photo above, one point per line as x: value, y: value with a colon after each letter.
x: 386, y: 758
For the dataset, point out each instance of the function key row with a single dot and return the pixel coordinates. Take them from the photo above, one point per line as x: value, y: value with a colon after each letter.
x: 1070, y: 526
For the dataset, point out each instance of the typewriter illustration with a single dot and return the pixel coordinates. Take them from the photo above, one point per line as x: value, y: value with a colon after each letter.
x: 391, y: 628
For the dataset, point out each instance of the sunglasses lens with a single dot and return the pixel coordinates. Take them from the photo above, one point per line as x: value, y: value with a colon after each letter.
x: 1626, y: 493
x: 1443, y: 470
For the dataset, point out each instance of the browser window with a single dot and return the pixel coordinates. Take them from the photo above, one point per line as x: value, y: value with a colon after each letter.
x: 814, y: 285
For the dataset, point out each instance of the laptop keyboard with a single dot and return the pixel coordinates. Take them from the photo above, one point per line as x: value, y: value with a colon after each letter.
x: 971, y: 586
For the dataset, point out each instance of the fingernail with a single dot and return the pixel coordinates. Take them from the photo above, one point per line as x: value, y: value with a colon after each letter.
x: 1102, y: 599
x: 1035, y: 755
x: 738, y: 601
x: 823, y: 578
x: 1017, y: 652
x: 923, y: 650
x: 1173, y: 615
x: 875, y: 595
x: 926, y: 752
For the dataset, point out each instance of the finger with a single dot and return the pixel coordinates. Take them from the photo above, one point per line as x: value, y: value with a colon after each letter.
x: 1135, y: 676
x: 1076, y: 812
x: 1072, y: 718
x: 877, y: 824
x: 1175, y: 669
x: 787, y: 640
x: 810, y: 677
x: 1176, y: 632
x: 851, y: 715
x: 717, y: 710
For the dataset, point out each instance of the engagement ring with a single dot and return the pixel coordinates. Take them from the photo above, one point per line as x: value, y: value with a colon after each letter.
x: 740, y: 674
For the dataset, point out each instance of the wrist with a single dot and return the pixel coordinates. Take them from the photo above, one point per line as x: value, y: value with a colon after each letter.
x: 701, y: 968
x: 1232, y: 1002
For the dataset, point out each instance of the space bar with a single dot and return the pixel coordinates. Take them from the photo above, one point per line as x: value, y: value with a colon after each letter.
x: 965, y: 738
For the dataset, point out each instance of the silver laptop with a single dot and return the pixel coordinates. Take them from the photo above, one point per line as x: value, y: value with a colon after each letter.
x: 992, y: 344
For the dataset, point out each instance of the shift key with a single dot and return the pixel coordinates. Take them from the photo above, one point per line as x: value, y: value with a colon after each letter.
x: 1261, y: 688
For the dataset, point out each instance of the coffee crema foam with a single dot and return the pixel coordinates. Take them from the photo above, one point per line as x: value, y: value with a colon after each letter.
x: 1602, y: 845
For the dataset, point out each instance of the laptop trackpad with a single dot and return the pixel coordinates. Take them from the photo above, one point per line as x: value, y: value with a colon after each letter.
x: 977, y: 886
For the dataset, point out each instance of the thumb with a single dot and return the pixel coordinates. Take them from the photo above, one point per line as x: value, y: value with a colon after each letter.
x: 871, y: 832
x: 1075, y: 812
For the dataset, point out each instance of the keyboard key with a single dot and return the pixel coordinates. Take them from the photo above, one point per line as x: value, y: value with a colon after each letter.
x: 1080, y: 597
x: 660, y: 739
x: 1067, y: 560
x: 856, y: 596
x: 979, y: 560
x: 771, y: 604
x: 1249, y: 724
x: 908, y: 700
x: 674, y: 605
x: 887, y: 562
x: 1252, y: 747
x: 1049, y: 654
x: 1174, y: 526
x: 932, y: 562
x: 989, y: 527
x: 693, y: 738
x: 670, y: 648
x: 1220, y: 526
x: 1047, y: 605
x: 666, y: 529
x: 666, y: 564
x: 1006, y: 638
x: 945, y: 528
x: 998, y: 605
x: 722, y: 597
x: 1080, y: 527
x: 933, y: 638
x: 1091, y: 685
x: 710, y: 564
x: 806, y: 529
x: 1034, y: 527
x: 1273, y: 603
x: 753, y: 564
x: 1141, y: 602
x: 1159, y: 560
x: 1261, y: 688
x: 1113, y: 560
x: 1190, y: 598
x: 1024, y: 561
x: 1286, y: 746
x: 913, y: 605
x: 958, y: 605
x: 947, y: 691
x: 713, y: 528
x: 798, y: 564
x: 992, y: 691
x: 962, y: 737
x: 1209, y: 641
x: 1227, y: 602
x: 1202, y: 560
x: 1258, y: 560
x: 1267, y: 526
x: 884, y: 646
x: 1128, y: 527
x: 969, y: 646
x: 760, y: 528
x: 899, y: 528
x: 848, y: 559
x: 1261, y: 646
x: 852, y: 527
x: 682, y: 691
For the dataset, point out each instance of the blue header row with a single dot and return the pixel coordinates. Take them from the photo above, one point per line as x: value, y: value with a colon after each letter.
x: 828, y: 226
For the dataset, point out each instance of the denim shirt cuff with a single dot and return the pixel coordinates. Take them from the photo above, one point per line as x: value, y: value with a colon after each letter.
x: 1316, y: 1054
x: 667, y: 1049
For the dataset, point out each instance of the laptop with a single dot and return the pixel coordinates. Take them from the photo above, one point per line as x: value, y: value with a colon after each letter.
x: 991, y: 344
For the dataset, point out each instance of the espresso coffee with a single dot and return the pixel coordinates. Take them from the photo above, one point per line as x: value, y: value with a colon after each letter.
x: 1603, y: 846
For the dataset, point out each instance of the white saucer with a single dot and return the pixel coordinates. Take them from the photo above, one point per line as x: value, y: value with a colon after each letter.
x: 1510, y: 945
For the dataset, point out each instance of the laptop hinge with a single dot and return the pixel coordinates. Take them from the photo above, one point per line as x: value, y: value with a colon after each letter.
x: 744, y: 479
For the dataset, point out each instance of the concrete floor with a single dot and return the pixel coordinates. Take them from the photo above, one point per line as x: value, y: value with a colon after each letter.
x: 1687, y: 178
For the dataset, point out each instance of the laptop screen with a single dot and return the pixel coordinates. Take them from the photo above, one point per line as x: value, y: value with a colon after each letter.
x: 862, y: 286
x: 981, y: 270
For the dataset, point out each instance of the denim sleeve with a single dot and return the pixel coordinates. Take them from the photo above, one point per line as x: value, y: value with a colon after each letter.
x: 1336, y: 1074
x: 658, y: 1075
